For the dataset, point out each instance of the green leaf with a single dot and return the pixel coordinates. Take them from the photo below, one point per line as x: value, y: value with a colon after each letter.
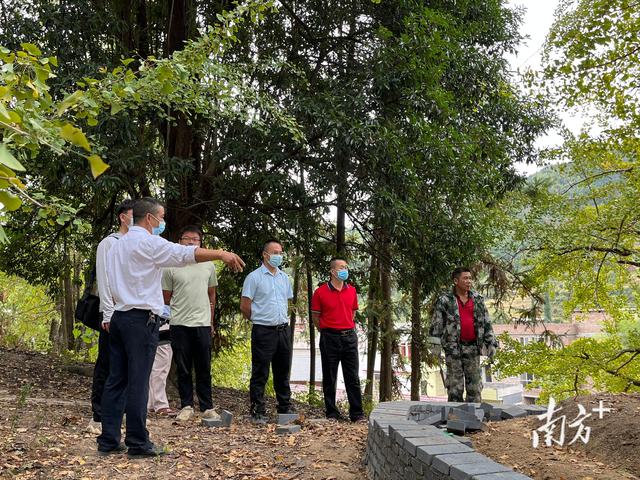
x: 31, y: 48
x: 69, y: 101
x: 98, y: 167
x: 75, y: 136
x: 10, y: 201
x: 6, y: 158
x: 115, y: 108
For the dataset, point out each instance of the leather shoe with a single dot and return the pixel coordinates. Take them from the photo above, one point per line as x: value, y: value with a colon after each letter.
x: 119, y: 449
x: 153, y: 451
x: 258, y: 419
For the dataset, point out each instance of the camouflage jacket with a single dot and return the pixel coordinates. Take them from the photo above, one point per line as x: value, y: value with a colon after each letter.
x: 445, y: 323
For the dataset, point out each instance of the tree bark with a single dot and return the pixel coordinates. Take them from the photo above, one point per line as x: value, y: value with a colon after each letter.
x: 386, y: 322
x: 416, y: 338
x: 312, y: 331
x: 372, y: 324
x: 294, y: 311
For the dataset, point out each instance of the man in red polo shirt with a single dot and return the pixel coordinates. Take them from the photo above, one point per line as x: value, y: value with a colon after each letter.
x: 333, y: 307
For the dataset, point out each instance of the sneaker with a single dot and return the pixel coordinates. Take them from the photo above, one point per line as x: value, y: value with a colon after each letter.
x: 359, y: 419
x: 94, y: 427
x: 185, y: 414
x: 258, y: 419
x: 211, y: 413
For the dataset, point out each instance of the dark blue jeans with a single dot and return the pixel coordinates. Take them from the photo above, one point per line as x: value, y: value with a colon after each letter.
x: 133, y: 339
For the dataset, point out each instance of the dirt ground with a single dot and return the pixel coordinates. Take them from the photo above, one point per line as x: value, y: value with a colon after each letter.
x: 612, y: 451
x: 44, y: 409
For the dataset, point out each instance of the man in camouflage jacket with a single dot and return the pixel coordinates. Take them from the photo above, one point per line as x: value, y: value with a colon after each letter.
x: 461, y: 327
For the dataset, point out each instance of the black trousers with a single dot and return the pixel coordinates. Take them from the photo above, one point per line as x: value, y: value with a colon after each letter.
x: 336, y: 348
x: 100, y: 374
x: 270, y: 347
x: 133, y: 339
x: 192, y: 351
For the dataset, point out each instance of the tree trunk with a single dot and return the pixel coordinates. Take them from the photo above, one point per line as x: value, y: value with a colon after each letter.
x: 294, y: 310
x: 416, y: 338
x: 181, y: 140
x: 372, y: 324
x: 386, y: 322
x: 312, y: 331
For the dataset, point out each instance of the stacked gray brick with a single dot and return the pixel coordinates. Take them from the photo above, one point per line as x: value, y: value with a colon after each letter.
x: 400, y: 448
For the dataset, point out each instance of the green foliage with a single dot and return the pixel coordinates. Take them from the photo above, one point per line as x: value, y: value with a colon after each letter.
x: 232, y: 368
x: 26, y: 313
x: 605, y: 363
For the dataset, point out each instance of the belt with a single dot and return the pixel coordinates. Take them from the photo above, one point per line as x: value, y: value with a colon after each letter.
x: 335, y: 331
x: 473, y: 342
x: 281, y: 326
x: 153, y: 318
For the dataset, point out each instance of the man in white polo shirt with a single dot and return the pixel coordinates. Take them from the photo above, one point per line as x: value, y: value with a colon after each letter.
x: 134, y: 271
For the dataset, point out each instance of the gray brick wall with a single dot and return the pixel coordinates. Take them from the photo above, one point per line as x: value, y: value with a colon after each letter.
x: 398, y: 448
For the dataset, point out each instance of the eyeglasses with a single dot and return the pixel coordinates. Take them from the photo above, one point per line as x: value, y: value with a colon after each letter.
x: 190, y: 239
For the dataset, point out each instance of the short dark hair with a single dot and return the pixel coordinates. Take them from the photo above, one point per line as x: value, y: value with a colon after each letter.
x: 124, y: 207
x: 193, y: 229
x: 332, y: 262
x: 459, y: 271
x: 271, y: 240
x: 143, y: 206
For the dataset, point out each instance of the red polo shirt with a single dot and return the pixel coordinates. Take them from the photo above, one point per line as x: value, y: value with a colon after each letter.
x: 336, y: 307
x: 467, y: 332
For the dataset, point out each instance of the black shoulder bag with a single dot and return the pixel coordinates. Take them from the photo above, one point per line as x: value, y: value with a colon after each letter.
x: 88, y: 307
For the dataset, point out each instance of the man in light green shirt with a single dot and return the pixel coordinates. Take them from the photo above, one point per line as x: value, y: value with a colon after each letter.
x: 191, y: 293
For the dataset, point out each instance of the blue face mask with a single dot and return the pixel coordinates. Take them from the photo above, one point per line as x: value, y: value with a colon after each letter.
x: 160, y: 228
x: 275, y: 260
x: 342, y: 274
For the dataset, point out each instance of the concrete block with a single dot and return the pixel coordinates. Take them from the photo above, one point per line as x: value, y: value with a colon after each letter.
x: 470, y: 420
x: 513, y: 411
x: 287, y: 429
x: 480, y: 414
x: 535, y: 409
x: 466, y: 471
x: 456, y: 426
x: 495, y: 415
x: 468, y: 407
x: 212, y: 422
x: 501, y: 476
x: 428, y: 452
x: 487, y: 407
x: 443, y: 463
x: 464, y: 440
x: 432, y: 419
x: 227, y: 417
x: 287, y: 418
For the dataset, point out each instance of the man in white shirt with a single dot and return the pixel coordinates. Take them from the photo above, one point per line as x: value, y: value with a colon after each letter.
x: 134, y: 270
x: 124, y: 213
